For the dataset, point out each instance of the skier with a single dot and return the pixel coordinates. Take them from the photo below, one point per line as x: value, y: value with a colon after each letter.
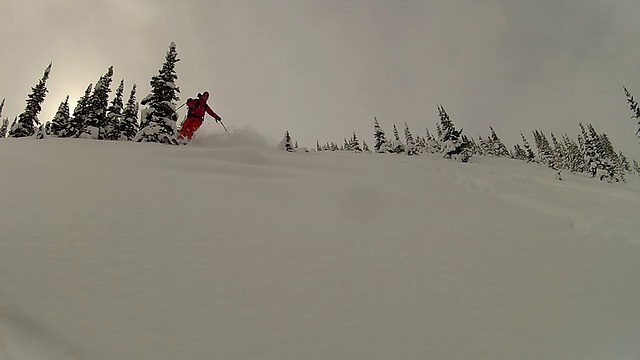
x: 195, y: 115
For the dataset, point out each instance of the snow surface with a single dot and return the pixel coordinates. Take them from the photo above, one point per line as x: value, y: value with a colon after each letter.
x: 228, y: 249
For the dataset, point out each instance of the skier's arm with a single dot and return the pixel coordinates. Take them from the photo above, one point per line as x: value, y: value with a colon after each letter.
x: 210, y: 112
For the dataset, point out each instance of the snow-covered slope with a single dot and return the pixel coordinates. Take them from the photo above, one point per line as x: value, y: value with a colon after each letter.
x: 227, y: 249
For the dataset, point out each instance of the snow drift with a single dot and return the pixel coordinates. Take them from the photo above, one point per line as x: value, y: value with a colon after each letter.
x: 227, y: 249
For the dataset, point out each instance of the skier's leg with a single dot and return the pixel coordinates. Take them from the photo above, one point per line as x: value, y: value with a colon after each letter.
x: 186, y: 131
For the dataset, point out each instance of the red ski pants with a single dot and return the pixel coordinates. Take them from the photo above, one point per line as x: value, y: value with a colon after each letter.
x: 189, y: 127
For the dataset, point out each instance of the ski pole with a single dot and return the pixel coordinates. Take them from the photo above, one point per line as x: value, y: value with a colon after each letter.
x: 180, y: 107
x: 225, y: 128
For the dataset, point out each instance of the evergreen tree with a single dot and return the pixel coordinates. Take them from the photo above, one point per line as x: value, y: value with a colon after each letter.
x: 432, y: 144
x: 545, y: 153
x: 411, y: 144
x: 76, y: 122
x: 346, y: 146
x: 381, y: 145
x: 496, y: 146
x: 5, y: 123
x: 40, y: 132
x: 558, y: 152
x: 160, y: 118
x: 636, y: 167
x: 114, y: 114
x: 519, y: 153
x: 484, y: 146
x: 61, y: 118
x: 354, y: 144
x: 474, y: 147
x: 95, y: 124
x: 28, y: 120
x: 421, y: 144
x: 4, y: 128
x: 624, y: 163
x: 573, y: 156
x: 397, y: 146
x: 598, y: 161
x: 635, y: 110
x: 129, y: 122
x: 453, y: 146
x: 334, y: 146
x: 615, y: 168
x: 365, y: 147
x: 286, y: 143
x: 527, y: 148
x: 318, y: 148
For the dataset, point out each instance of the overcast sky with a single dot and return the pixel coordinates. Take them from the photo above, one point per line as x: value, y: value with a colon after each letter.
x: 323, y: 69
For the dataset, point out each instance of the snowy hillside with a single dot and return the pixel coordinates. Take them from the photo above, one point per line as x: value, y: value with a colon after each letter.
x: 228, y: 249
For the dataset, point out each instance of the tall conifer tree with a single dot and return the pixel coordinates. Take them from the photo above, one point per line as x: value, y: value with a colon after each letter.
x: 60, y: 119
x: 129, y: 123
x: 28, y: 121
x: 95, y: 124
x: 75, y: 125
x: 160, y: 116
x: 114, y: 114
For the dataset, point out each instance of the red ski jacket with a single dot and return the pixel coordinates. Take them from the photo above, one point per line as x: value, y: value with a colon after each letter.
x: 198, y: 107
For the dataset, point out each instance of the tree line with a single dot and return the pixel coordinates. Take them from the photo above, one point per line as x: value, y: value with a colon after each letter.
x: 94, y: 117
x: 592, y: 153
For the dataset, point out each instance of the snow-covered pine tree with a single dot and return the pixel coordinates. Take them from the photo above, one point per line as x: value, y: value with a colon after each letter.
x: 527, y: 148
x: 40, y: 132
x: 433, y: 146
x: 411, y: 144
x: 318, y: 147
x: 5, y: 123
x: 286, y: 144
x: 60, y: 119
x: 160, y: 117
x: 474, y: 148
x: 354, y: 144
x: 129, y: 122
x: 635, y: 110
x: 636, y: 166
x: 616, y: 172
x: 365, y: 147
x: 4, y: 128
x: 484, y: 146
x: 95, y: 124
x: 397, y: 147
x: 519, y: 153
x: 381, y: 144
x: 114, y: 114
x: 598, y: 162
x: 421, y: 144
x: 545, y: 153
x: 453, y: 146
x: 558, y: 152
x: 76, y: 122
x: 624, y: 163
x: 28, y: 120
x: 590, y: 155
x: 346, y: 146
x: 574, y: 159
x: 497, y: 147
